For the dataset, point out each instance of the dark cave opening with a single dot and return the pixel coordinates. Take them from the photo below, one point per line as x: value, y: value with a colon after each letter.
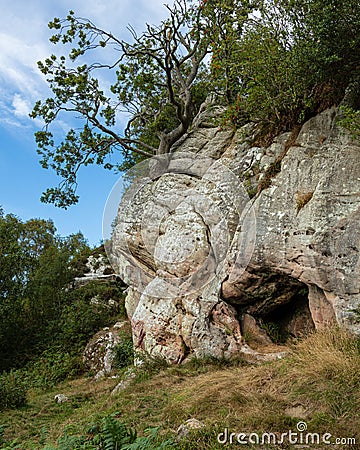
x: 272, y: 308
x: 289, y: 321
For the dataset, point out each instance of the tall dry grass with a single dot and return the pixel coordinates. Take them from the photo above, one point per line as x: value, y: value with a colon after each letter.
x: 319, y: 382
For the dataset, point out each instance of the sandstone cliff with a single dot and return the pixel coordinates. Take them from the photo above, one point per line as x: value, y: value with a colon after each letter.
x: 224, y: 230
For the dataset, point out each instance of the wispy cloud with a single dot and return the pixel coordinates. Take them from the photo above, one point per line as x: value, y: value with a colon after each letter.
x: 24, y: 41
x: 21, y: 106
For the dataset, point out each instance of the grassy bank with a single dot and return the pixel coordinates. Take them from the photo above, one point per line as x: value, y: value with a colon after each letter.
x: 318, y: 383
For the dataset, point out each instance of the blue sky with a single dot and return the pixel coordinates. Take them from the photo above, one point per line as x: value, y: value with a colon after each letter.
x: 23, y: 41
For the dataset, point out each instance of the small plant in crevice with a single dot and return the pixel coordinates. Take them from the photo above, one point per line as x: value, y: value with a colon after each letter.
x: 349, y: 119
x: 124, y: 352
x: 356, y: 312
x: 250, y: 188
x: 270, y: 172
x: 275, y: 332
x: 302, y: 198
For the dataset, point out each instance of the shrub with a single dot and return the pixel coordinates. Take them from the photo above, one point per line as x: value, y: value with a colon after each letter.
x: 288, y: 61
x: 81, y: 319
x: 350, y: 120
x: 12, y: 390
x: 124, y: 352
x: 52, y: 367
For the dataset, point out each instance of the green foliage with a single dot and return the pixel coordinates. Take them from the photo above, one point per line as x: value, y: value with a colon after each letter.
x: 21, y: 247
x: 44, y: 322
x: 157, y: 79
x: 124, y: 351
x: 80, y: 319
x: 2, y: 432
x: 110, y: 434
x: 115, y: 434
x: 225, y: 21
x: 52, y: 367
x: 290, y: 60
x: 333, y: 28
x: 356, y: 311
x: 12, y: 391
x: 65, y: 336
x: 210, y: 362
x: 350, y: 120
x: 276, y: 62
x: 150, y: 442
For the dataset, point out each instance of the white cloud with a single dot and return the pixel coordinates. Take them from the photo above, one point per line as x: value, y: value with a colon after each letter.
x: 24, y: 41
x: 10, y: 122
x: 21, y: 106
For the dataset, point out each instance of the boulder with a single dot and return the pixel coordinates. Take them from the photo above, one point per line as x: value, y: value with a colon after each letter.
x: 253, y: 332
x: 61, y: 398
x: 98, y: 355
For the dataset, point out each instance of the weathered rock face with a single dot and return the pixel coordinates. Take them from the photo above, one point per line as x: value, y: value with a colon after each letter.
x: 97, y: 268
x: 308, y: 223
x: 99, y: 354
x: 172, y: 248
x: 198, y: 254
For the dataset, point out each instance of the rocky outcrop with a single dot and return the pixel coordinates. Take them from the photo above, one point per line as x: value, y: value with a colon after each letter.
x: 97, y: 268
x: 314, y: 239
x: 199, y: 253
x: 99, y: 355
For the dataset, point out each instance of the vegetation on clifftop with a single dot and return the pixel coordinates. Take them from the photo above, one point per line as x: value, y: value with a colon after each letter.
x: 277, y: 62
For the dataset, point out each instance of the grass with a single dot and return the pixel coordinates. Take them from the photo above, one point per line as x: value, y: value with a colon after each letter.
x: 319, y: 382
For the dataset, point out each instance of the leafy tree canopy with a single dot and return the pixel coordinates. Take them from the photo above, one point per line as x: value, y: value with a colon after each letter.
x: 277, y: 62
x: 156, y: 79
x: 35, y: 266
x: 292, y: 59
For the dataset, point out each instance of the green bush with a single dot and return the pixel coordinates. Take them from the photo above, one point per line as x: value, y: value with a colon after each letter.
x: 286, y: 63
x: 350, y: 120
x: 124, y: 352
x: 52, y: 367
x: 80, y: 319
x: 12, y: 390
